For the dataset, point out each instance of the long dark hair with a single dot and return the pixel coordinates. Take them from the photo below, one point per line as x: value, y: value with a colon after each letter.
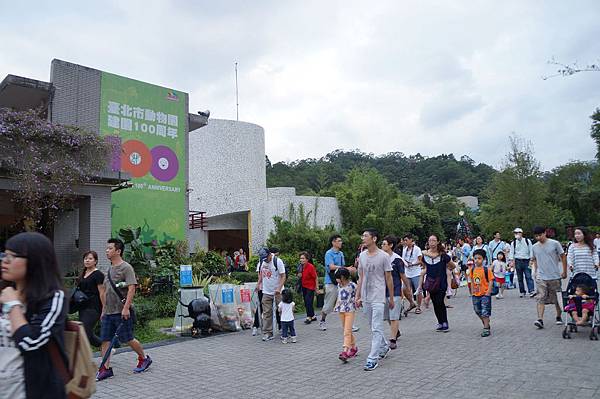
x: 588, y: 239
x: 95, y: 255
x: 42, y: 278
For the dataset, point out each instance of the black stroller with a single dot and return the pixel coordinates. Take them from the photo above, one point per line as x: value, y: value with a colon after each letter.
x: 586, y: 280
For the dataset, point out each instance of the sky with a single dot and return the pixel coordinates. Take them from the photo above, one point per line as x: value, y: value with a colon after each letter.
x: 426, y: 77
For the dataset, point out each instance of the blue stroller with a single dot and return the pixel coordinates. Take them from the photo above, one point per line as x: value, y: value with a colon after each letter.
x: 581, y: 279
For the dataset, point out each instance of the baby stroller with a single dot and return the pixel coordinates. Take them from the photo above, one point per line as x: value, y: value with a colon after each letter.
x: 586, y: 280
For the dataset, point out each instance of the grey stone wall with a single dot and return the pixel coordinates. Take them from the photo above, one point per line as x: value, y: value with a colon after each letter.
x: 76, y: 100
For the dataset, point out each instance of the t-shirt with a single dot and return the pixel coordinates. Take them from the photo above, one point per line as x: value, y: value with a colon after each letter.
x: 397, y: 270
x: 372, y: 269
x: 597, y: 244
x: 120, y: 273
x: 335, y: 257
x: 309, y: 276
x: 495, y: 248
x: 411, y: 256
x: 346, y: 297
x: 436, y: 269
x: 466, y: 251
x: 11, y: 363
x: 479, y: 284
x: 548, y: 259
x: 270, y: 275
x: 499, y: 268
x: 286, y: 310
x: 582, y: 259
x: 89, y: 286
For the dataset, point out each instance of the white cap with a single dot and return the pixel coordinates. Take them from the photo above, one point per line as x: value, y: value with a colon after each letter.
x: 518, y: 230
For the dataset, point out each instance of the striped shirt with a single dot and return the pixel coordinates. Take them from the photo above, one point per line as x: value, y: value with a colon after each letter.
x: 582, y: 259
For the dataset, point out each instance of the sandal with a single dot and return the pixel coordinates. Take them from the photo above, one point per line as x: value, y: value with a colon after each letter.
x: 409, y: 309
x: 418, y: 311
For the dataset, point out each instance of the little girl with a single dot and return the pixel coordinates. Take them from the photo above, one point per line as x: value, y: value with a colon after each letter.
x: 346, y: 307
x: 286, y: 310
x: 499, y: 266
x: 587, y: 306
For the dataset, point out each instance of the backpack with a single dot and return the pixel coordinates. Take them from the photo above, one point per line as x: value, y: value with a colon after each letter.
x: 80, y: 376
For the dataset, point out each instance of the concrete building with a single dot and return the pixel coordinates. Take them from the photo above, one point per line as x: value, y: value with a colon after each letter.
x: 71, y: 97
x: 224, y: 176
x: 228, y: 182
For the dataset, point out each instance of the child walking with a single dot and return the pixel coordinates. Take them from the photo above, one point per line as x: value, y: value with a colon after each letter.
x: 482, y: 280
x: 286, y: 310
x: 346, y: 307
x: 500, y: 270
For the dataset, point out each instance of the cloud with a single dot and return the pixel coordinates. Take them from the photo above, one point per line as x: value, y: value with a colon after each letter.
x: 427, y: 77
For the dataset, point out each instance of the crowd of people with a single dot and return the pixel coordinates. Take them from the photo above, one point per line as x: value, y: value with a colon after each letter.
x: 385, y: 273
x: 34, y: 314
x: 388, y: 272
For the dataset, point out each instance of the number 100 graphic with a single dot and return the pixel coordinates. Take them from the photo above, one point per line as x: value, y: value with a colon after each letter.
x: 137, y: 159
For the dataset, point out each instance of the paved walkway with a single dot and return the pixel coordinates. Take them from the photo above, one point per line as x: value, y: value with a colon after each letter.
x: 517, y: 361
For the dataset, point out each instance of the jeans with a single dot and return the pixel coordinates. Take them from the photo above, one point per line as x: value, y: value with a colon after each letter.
x: 439, y: 307
x: 267, y: 314
x: 287, y: 328
x: 89, y: 317
x: 374, y: 313
x: 347, y: 319
x: 522, y: 267
x: 309, y: 297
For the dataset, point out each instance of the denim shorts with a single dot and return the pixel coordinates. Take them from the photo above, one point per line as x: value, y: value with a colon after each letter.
x: 109, y: 325
x: 482, y: 305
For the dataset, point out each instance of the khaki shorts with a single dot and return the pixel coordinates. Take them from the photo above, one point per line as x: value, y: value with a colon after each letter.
x: 331, y: 294
x: 547, y: 290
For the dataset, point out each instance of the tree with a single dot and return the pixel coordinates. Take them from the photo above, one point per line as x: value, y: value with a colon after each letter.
x: 47, y: 162
x: 576, y: 187
x: 517, y: 197
x: 367, y: 199
x: 595, y: 131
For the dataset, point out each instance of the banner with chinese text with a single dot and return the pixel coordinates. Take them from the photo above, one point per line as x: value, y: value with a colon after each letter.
x: 149, y: 123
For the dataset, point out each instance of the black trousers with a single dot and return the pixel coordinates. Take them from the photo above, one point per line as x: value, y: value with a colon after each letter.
x: 439, y: 307
x: 309, y: 297
x: 89, y: 317
x: 258, y: 313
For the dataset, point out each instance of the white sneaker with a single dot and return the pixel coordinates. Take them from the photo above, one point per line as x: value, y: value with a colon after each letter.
x: 284, y: 340
x: 254, y: 331
x: 355, y: 329
x: 499, y: 296
x: 322, y: 326
x: 294, y: 340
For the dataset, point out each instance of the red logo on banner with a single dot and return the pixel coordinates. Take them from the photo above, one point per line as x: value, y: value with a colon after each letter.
x: 245, y: 294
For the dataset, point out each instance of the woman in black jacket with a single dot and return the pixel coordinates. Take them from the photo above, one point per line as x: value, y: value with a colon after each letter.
x: 36, y: 308
x: 91, y: 283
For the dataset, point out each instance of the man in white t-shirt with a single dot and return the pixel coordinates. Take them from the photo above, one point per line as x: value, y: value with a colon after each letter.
x: 375, y: 274
x: 597, y: 243
x: 412, y: 255
x: 271, y: 278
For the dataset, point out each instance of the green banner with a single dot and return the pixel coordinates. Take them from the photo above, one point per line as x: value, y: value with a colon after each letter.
x: 149, y: 122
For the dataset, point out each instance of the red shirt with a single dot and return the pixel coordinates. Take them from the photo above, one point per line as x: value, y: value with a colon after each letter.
x: 309, y: 277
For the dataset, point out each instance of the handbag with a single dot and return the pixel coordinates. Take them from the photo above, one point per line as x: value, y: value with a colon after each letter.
x: 453, y: 283
x: 78, y: 300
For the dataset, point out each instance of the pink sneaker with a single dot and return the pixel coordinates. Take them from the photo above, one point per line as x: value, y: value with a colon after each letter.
x: 352, y: 352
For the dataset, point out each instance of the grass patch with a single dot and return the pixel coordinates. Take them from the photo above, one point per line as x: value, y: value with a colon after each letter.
x: 152, y: 333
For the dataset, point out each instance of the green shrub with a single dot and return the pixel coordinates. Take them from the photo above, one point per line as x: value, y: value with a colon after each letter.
x: 245, y: 277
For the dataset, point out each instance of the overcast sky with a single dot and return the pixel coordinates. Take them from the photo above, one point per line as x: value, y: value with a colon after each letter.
x: 412, y: 76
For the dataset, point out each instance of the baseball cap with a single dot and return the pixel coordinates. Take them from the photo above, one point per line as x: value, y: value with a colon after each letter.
x: 518, y: 230
x: 263, y: 253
